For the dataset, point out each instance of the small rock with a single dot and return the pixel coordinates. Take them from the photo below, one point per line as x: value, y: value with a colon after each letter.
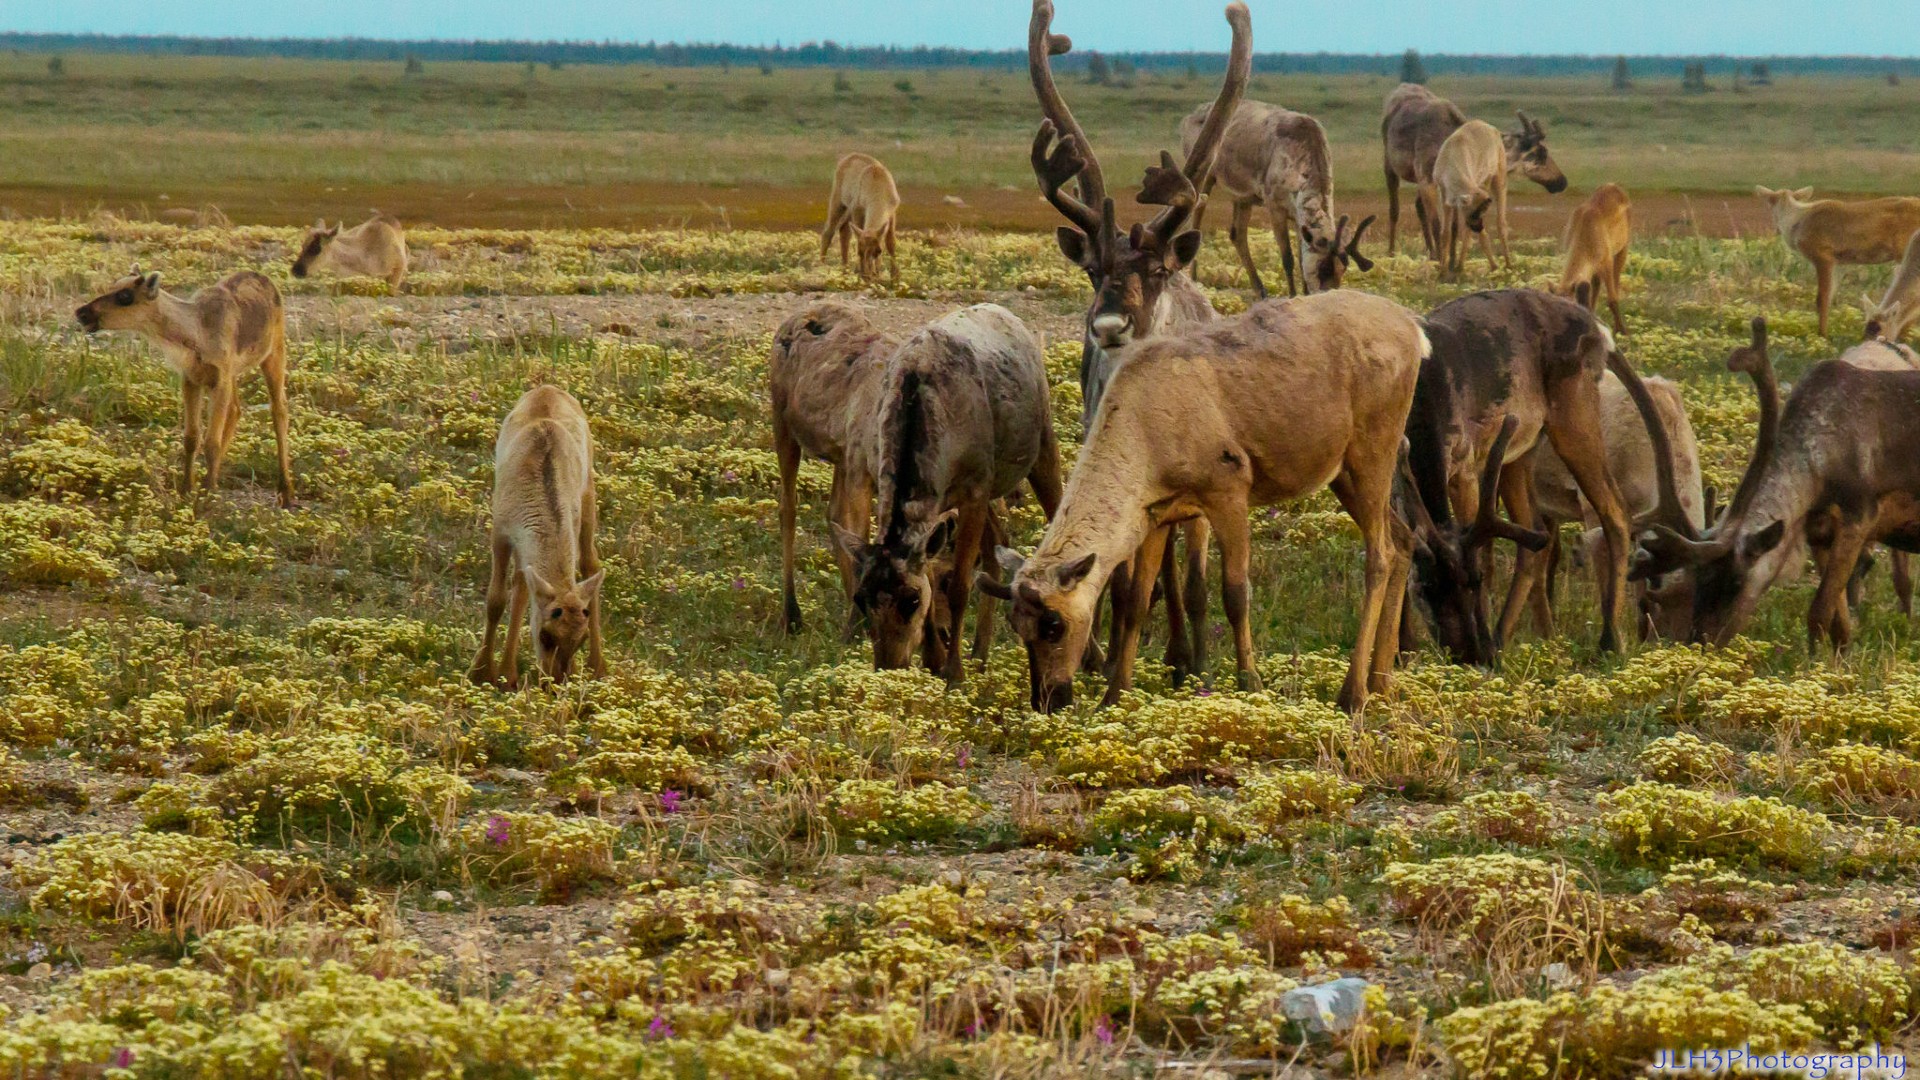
x: 952, y: 879
x: 1142, y: 915
x: 1558, y: 976
x: 442, y: 896
x: 40, y: 972
x: 1327, y: 1009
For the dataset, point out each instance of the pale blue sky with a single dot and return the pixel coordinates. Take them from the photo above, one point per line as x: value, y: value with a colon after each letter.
x: 1668, y: 27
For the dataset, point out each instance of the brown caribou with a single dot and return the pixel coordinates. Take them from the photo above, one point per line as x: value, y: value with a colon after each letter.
x: 1414, y: 124
x: 377, y: 247
x: 964, y: 418
x: 1534, y: 359
x: 1596, y: 244
x: 1835, y: 470
x: 1270, y: 405
x: 863, y: 205
x: 1829, y: 233
x: 1140, y: 281
x: 214, y: 338
x: 1278, y: 158
x: 824, y: 377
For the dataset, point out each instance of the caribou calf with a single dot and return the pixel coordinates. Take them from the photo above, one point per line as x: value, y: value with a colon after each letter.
x: 1470, y: 174
x: 1836, y: 470
x: 542, y: 540
x: 964, y: 418
x: 862, y: 205
x: 1900, y: 306
x: 1596, y: 243
x: 1269, y: 405
x: 214, y: 339
x: 376, y: 247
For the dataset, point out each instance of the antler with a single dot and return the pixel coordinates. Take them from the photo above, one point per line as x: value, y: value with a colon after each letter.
x: 1348, y: 244
x: 1074, y: 156
x: 1668, y: 512
x: 1488, y: 524
x: 1759, y: 367
x: 1177, y: 190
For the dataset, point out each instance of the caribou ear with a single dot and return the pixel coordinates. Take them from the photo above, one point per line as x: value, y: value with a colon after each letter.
x: 1010, y: 561
x: 1073, y: 244
x: 319, y: 224
x: 999, y: 590
x: 542, y: 589
x: 1755, y: 544
x: 1070, y: 574
x: 590, y: 587
x: 1803, y: 194
x: 847, y: 542
x: 151, y: 283
x: 1184, y: 248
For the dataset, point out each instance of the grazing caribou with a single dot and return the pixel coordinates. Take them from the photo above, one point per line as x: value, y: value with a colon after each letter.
x: 863, y: 205
x: 1665, y: 606
x: 377, y: 247
x: 1900, y: 305
x: 214, y: 338
x: 1414, y: 124
x: 1140, y: 281
x: 1469, y: 176
x: 542, y: 540
x: 1270, y: 405
x: 824, y: 376
x: 1596, y: 243
x: 964, y: 418
x: 1535, y: 360
x: 1836, y: 470
x: 1277, y: 158
x: 1828, y: 233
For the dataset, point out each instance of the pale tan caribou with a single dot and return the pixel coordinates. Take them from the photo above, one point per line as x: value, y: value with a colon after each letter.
x: 376, y: 247
x: 214, y: 339
x: 1829, y: 233
x: 863, y: 205
x: 1413, y: 125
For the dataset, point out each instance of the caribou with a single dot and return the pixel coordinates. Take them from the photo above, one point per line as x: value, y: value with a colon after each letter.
x: 1834, y: 471
x: 863, y: 205
x: 213, y: 339
x: 1596, y: 244
x: 1414, y: 124
x: 377, y: 247
x: 964, y: 418
x: 1829, y: 233
x: 542, y: 540
x: 1277, y: 158
x: 1469, y: 176
x: 1141, y: 284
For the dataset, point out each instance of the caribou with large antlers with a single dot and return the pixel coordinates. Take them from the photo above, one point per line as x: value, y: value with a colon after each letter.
x: 1278, y: 158
x: 1530, y: 360
x: 1140, y: 280
x: 1836, y: 470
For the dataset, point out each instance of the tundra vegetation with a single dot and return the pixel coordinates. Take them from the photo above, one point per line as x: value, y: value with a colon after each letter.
x: 258, y: 820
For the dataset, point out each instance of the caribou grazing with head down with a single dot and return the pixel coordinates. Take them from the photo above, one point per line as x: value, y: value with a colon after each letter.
x: 1900, y: 305
x: 1140, y: 280
x: 964, y: 418
x: 1836, y: 470
x: 1532, y: 360
x: 1270, y: 405
x: 1277, y: 158
x: 1596, y: 245
x: 862, y: 206
x: 1414, y: 124
x: 829, y: 361
x: 1469, y: 177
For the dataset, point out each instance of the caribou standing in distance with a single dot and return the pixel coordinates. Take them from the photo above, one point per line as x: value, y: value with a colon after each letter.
x: 1838, y: 469
x: 1828, y: 233
x: 1665, y: 605
x: 377, y: 247
x: 1535, y: 360
x: 1277, y: 158
x: 1414, y: 124
x: 1596, y: 244
x: 1140, y: 281
x: 824, y: 376
x: 1469, y: 176
x: 863, y: 205
x: 542, y: 540
x: 214, y: 338
x: 964, y: 418
x: 1267, y: 406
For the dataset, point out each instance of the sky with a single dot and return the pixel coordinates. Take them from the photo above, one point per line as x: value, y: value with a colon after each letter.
x: 1664, y: 27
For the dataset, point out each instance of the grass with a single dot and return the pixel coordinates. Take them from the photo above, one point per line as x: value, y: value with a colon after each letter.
x: 745, y: 852
x: 280, y: 141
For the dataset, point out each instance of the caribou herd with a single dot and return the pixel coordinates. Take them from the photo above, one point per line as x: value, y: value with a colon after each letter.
x: 1424, y: 426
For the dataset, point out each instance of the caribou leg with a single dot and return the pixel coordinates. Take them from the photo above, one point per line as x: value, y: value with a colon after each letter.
x: 1145, y: 565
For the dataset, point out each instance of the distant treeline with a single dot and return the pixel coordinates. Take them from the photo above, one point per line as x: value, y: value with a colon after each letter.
x: 830, y: 55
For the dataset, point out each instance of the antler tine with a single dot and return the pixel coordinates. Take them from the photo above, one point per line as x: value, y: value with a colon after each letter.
x: 1488, y: 524
x: 1054, y: 170
x: 1422, y: 526
x: 1179, y: 197
x: 1042, y: 45
x: 1759, y: 367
